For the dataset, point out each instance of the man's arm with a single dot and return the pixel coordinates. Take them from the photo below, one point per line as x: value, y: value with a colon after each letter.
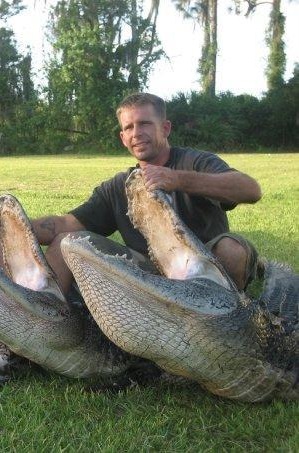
x: 46, y: 228
x: 231, y: 186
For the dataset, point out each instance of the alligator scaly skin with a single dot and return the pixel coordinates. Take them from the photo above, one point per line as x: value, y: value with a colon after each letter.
x: 199, y: 327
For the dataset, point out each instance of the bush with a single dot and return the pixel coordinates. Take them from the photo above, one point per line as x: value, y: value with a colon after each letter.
x: 227, y: 123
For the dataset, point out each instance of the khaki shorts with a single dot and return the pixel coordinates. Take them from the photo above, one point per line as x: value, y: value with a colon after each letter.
x: 252, y: 255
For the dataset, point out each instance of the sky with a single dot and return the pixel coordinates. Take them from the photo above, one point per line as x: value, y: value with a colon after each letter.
x: 242, y: 53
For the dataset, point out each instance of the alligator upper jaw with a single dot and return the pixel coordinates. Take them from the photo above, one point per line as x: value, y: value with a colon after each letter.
x: 93, y: 269
x: 23, y: 259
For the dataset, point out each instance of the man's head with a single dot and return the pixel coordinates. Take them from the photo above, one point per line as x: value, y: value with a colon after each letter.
x: 141, y: 99
x: 144, y: 127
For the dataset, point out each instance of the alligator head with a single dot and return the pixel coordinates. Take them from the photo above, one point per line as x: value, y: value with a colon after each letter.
x: 193, y: 322
x: 36, y: 321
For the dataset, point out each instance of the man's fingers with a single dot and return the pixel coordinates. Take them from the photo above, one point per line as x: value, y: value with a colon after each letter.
x: 150, y: 185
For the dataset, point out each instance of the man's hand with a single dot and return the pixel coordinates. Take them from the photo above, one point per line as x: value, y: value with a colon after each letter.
x: 156, y: 177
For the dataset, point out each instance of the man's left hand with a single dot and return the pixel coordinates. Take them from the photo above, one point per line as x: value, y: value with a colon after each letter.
x: 156, y: 177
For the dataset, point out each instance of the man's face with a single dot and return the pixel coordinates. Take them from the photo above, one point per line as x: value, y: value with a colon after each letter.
x: 144, y: 133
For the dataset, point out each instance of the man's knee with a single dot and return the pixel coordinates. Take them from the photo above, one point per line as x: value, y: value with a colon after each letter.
x: 58, y: 238
x: 234, y: 258
x: 230, y: 248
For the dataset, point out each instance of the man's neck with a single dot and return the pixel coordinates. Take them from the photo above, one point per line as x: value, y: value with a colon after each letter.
x: 159, y: 160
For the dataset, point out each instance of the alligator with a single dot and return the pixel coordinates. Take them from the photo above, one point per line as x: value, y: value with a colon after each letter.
x: 38, y: 323
x: 191, y: 320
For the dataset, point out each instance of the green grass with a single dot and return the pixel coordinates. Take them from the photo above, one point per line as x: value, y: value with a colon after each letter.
x: 47, y: 413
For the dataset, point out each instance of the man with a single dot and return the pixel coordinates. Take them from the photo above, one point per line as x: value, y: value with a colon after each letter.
x: 203, y: 187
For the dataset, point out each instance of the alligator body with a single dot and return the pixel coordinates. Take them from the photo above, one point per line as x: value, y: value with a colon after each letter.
x: 191, y: 321
x: 36, y: 321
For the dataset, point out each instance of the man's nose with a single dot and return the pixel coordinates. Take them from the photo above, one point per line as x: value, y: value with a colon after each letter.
x: 137, y: 130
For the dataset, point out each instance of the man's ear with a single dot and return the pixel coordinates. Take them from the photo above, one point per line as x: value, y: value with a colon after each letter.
x: 122, y: 137
x: 166, y: 128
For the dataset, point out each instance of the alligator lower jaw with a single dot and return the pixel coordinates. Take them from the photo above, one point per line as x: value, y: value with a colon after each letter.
x: 174, y: 249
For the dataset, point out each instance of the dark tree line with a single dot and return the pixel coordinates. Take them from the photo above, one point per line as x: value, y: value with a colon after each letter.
x: 104, y: 49
x: 231, y: 123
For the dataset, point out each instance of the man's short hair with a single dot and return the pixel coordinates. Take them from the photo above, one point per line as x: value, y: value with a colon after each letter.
x: 136, y: 99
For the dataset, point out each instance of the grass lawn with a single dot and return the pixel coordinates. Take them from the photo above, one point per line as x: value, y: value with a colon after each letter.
x: 43, y: 412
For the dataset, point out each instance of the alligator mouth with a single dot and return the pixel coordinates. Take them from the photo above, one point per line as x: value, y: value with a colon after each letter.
x: 24, y: 262
x: 175, y: 250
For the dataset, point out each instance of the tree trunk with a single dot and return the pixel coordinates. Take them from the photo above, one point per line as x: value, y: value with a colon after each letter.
x: 207, y: 64
x: 148, y: 25
x: 213, y: 48
x: 277, y: 58
x: 133, y: 79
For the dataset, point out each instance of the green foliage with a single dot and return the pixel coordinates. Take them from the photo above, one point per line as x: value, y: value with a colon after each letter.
x: 274, y: 39
x: 228, y: 122
x: 95, y: 63
x: 102, y: 50
x: 10, y: 8
x: 18, y: 99
x: 10, y: 89
x: 204, y: 13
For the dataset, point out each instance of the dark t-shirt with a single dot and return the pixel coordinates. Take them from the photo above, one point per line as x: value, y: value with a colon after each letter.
x: 106, y: 210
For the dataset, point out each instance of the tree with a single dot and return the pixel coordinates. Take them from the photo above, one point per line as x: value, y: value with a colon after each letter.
x: 141, y: 50
x: 10, y: 90
x: 17, y: 94
x: 274, y: 39
x: 205, y: 13
x: 10, y: 8
x: 102, y: 49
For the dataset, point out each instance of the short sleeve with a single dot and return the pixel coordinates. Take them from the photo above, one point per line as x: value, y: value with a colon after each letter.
x: 210, y: 163
x: 97, y: 214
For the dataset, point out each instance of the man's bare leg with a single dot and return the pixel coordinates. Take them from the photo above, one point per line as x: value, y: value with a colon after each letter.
x: 233, y: 258
x: 55, y: 260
